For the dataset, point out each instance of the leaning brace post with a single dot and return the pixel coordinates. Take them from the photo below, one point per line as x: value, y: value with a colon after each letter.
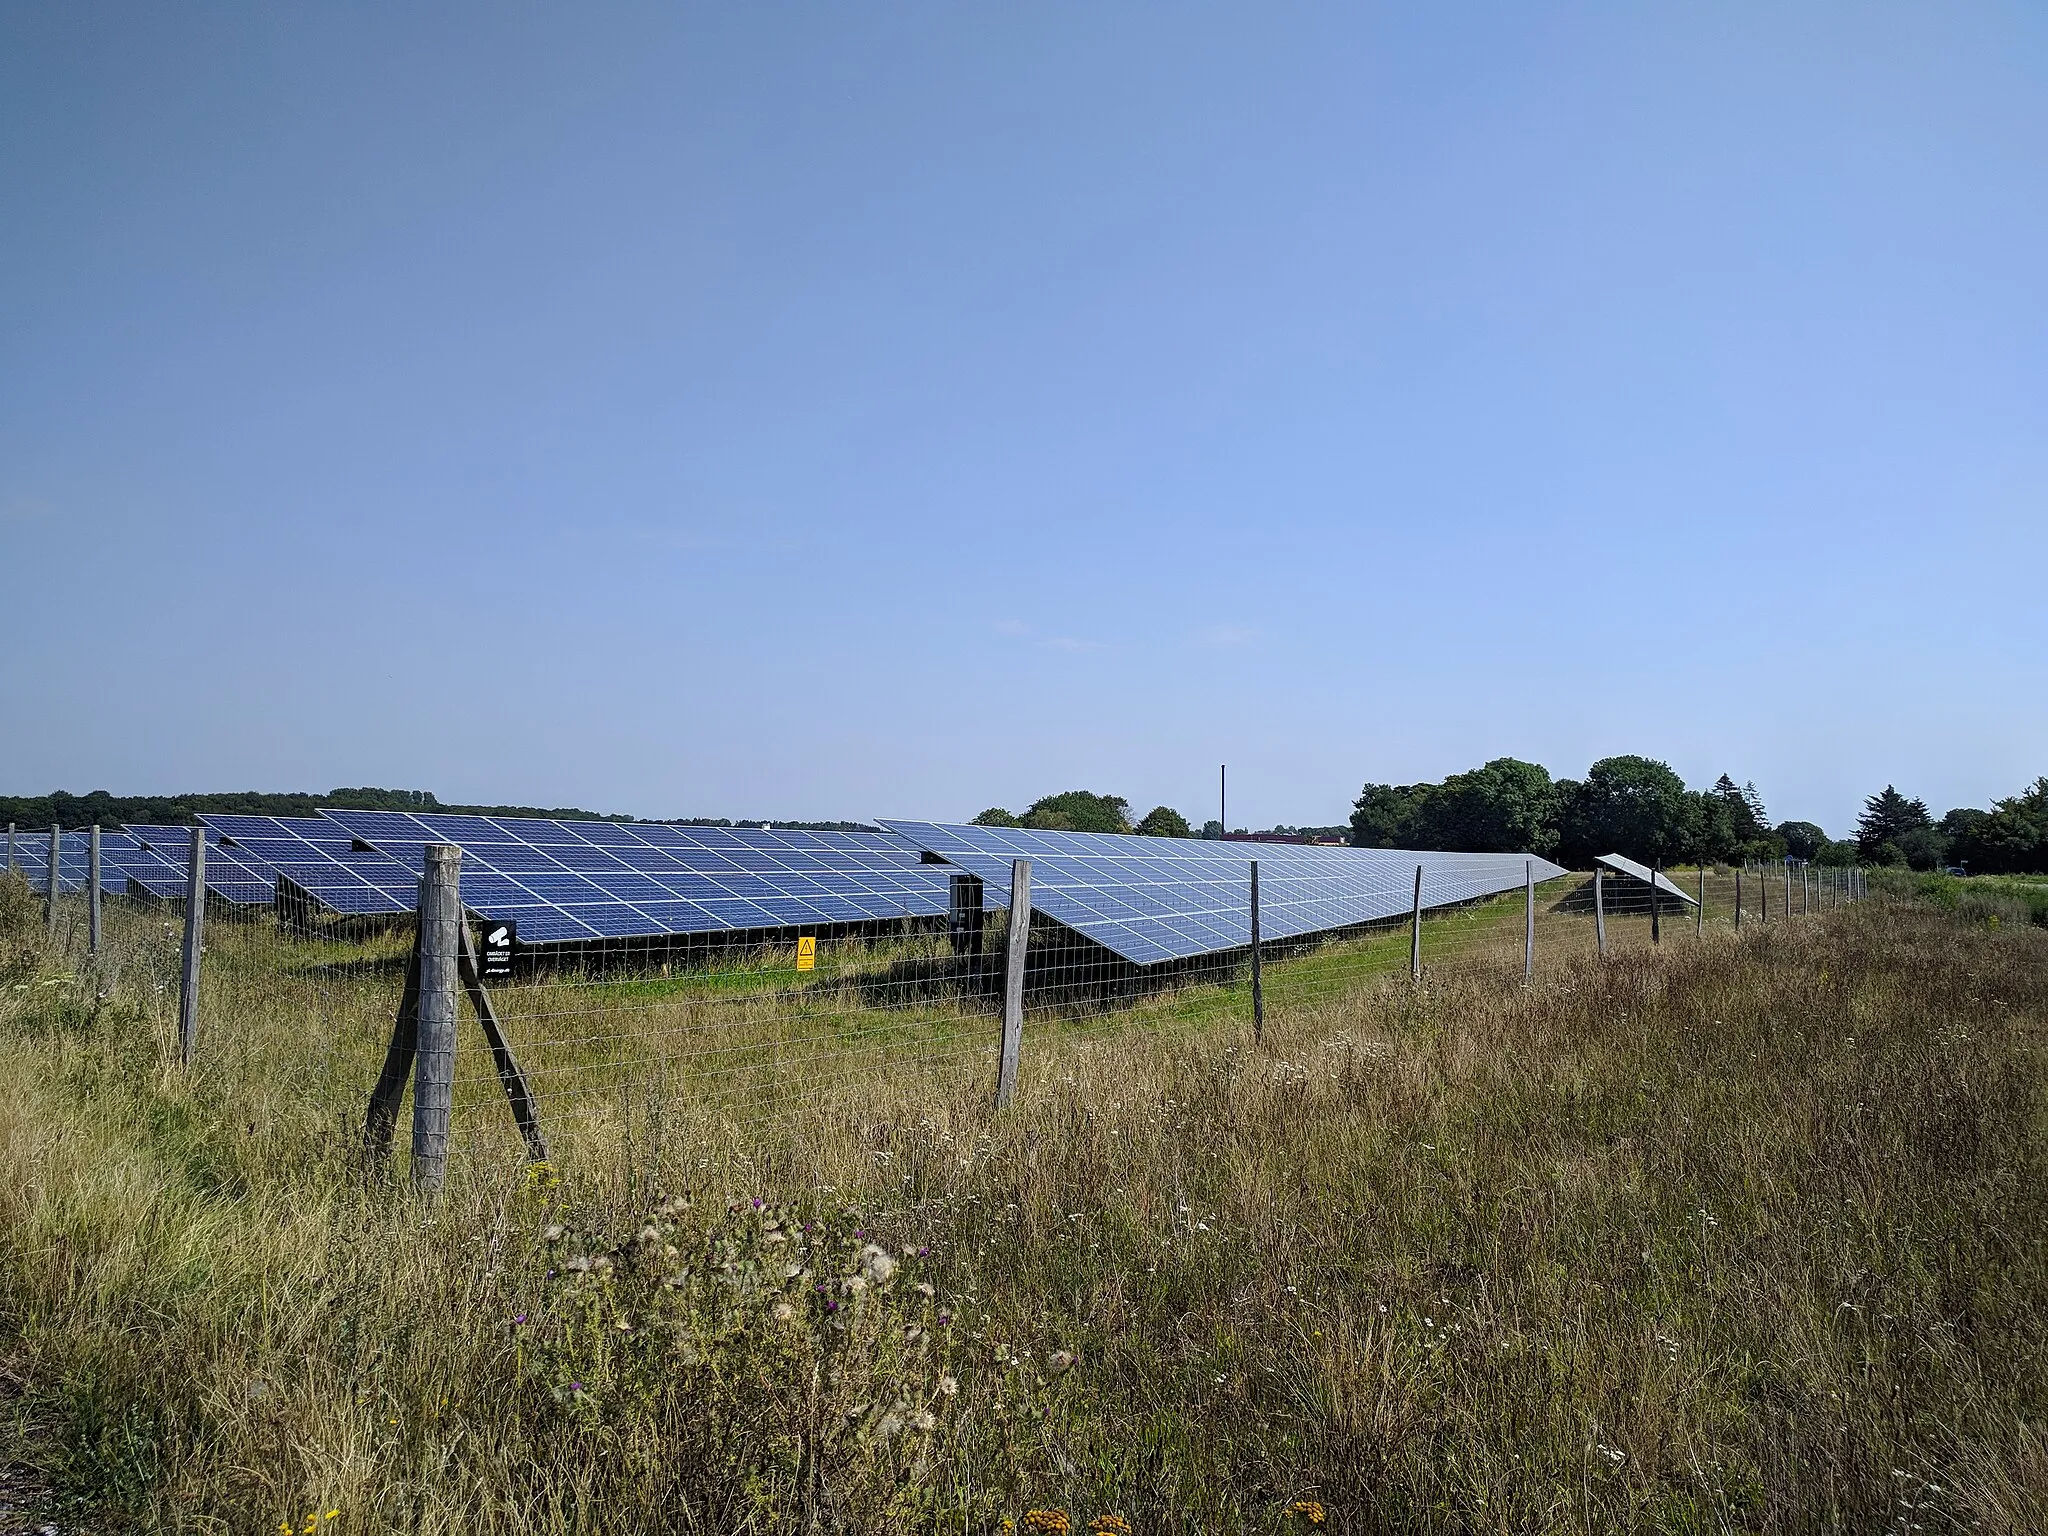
x: 1699, y: 911
x: 1600, y: 910
x: 1013, y: 980
x: 195, y: 935
x: 513, y: 1080
x: 92, y: 889
x: 1258, y: 981
x: 50, y: 884
x: 1528, y: 919
x: 433, y: 1087
x: 1656, y: 927
x: 1415, y: 932
x: 390, y: 1087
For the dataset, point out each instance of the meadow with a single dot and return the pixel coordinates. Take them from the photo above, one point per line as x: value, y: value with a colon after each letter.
x: 1737, y: 1234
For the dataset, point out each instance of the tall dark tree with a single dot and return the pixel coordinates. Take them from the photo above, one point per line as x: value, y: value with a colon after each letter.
x: 2012, y: 838
x: 1506, y: 806
x: 1388, y: 815
x: 1080, y: 810
x: 1629, y: 805
x: 1803, y: 840
x: 1164, y: 821
x: 1887, y: 817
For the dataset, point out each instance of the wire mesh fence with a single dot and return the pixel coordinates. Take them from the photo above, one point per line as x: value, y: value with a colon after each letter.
x: 635, y: 1037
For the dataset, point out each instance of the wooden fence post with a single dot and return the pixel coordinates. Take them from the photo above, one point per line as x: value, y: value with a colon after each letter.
x: 1699, y: 912
x: 1415, y: 932
x: 1528, y: 919
x: 1600, y: 911
x: 1258, y: 979
x: 195, y: 935
x: 1738, y: 898
x: 1788, y: 893
x: 50, y: 884
x: 92, y: 890
x: 12, y: 862
x: 1017, y: 952
x: 433, y: 1086
x: 1656, y: 925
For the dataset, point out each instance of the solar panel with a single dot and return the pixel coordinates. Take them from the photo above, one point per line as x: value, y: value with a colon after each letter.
x: 158, y: 866
x: 579, y: 881
x: 74, y: 859
x: 324, y: 860
x: 1151, y: 899
x: 1644, y: 873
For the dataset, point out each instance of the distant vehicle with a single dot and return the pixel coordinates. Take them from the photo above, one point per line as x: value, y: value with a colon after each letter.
x: 1955, y: 869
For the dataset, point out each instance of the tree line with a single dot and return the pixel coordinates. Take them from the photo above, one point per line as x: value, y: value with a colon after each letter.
x: 2009, y: 839
x: 99, y: 808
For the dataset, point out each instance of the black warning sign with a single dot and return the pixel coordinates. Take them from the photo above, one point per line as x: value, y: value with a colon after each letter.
x: 495, y: 960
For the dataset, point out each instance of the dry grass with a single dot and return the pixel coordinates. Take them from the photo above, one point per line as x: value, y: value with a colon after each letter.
x: 1738, y: 1237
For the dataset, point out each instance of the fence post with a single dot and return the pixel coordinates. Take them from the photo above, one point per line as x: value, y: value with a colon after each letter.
x: 1699, y: 912
x: 1738, y: 898
x: 433, y: 1081
x: 1763, y: 896
x: 50, y: 884
x: 1415, y: 932
x: 1018, y: 951
x: 1258, y: 981
x: 12, y: 862
x: 1788, y: 893
x: 1528, y: 919
x: 1656, y: 927
x: 195, y: 933
x: 1600, y: 911
x: 92, y: 890
x: 1805, y: 893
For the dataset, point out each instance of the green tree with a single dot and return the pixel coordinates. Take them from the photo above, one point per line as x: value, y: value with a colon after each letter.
x: 1163, y: 821
x: 1079, y: 810
x: 1629, y: 805
x: 2012, y: 837
x: 995, y: 816
x: 1803, y: 839
x: 1388, y: 815
x: 1887, y: 817
x: 1506, y: 806
x: 1924, y: 848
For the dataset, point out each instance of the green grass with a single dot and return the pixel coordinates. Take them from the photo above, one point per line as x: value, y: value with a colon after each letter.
x: 1734, y: 1236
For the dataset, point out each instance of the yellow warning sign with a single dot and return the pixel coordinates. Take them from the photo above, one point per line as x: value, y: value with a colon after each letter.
x: 807, y: 954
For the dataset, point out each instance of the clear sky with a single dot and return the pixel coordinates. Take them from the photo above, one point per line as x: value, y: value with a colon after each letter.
x: 848, y: 410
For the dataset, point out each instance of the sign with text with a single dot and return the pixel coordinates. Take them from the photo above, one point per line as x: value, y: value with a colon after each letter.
x: 807, y: 954
x: 494, y: 963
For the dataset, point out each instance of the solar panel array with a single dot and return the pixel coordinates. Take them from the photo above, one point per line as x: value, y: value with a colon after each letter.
x: 579, y: 881
x: 158, y: 865
x: 1151, y: 899
x: 1644, y: 873
x: 74, y: 859
x: 322, y: 858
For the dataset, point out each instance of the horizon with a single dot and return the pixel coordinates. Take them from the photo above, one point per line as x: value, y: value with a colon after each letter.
x: 928, y: 411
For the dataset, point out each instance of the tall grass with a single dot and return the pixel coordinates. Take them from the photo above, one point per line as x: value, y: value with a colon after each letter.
x: 1739, y: 1236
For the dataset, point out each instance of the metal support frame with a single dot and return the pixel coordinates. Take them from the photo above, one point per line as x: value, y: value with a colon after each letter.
x: 1600, y: 911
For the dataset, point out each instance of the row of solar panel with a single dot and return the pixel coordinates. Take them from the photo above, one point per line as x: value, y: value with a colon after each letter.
x: 1147, y: 899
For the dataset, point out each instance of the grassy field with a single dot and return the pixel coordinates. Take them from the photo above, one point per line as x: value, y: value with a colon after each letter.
x: 1742, y: 1235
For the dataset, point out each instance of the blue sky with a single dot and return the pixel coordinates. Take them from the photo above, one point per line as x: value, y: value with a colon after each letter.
x: 817, y: 411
